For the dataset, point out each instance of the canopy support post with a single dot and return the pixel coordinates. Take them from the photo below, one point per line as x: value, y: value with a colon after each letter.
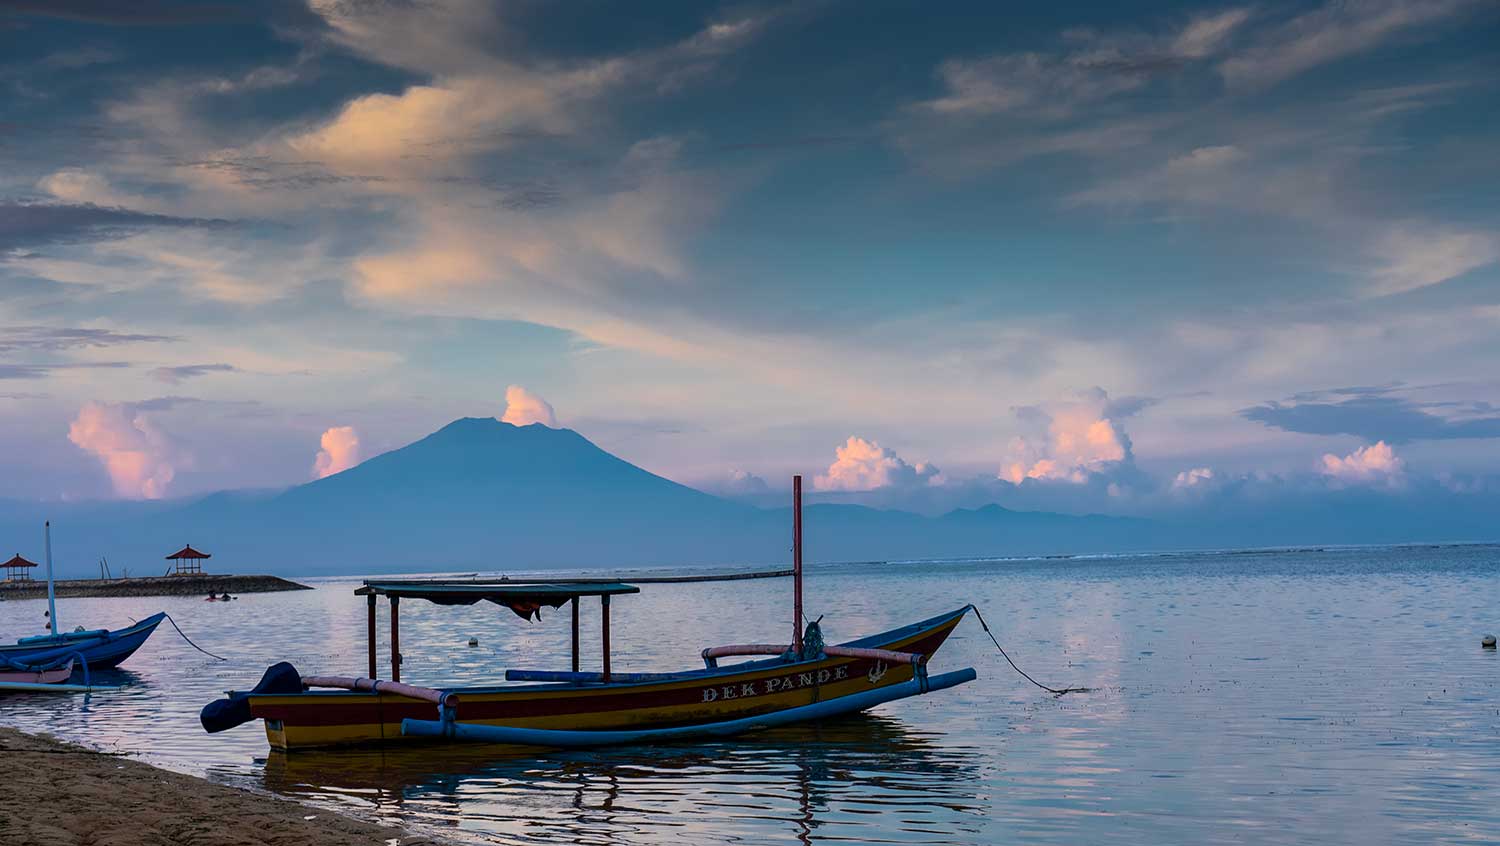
x: 575, y: 634
x: 797, y: 564
x: 370, y: 632
x: 604, y: 617
x: 395, y: 638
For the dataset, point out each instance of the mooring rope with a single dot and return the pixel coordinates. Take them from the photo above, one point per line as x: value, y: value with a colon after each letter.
x: 196, y: 646
x: 980, y: 617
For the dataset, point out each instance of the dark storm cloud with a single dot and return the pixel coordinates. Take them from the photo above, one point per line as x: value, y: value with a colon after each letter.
x: 1377, y: 413
x: 38, y: 224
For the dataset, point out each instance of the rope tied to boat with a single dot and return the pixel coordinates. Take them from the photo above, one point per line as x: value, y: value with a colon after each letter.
x: 1059, y: 691
x: 190, y: 640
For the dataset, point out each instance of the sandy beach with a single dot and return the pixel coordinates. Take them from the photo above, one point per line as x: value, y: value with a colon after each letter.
x: 60, y: 794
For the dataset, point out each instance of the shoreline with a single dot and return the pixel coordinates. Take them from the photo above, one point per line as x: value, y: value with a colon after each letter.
x: 61, y: 793
x: 192, y: 585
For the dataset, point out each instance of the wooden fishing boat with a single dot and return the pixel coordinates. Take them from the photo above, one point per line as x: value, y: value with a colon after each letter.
x: 784, y: 683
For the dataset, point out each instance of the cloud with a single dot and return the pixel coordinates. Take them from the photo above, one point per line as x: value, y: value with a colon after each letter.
x: 522, y: 408
x: 863, y: 465
x: 1091, y: 67
x: 40, y: 224
x: 140, y: 458
x: 479, y: 96
x: 135, y: 13
x: 1206, y: 35
x: 1196, y: 478
x: 175, y: 375
x: 1376, y: 463
x: 1073, y: 441
x: 42, y: 370
x: 52, y: 338
x: 1375, y: 413
x: 1411, y: 258
x: 379, y: 131
x: 743, y: 482
x: 1336, y: 30
x: 340, y: 451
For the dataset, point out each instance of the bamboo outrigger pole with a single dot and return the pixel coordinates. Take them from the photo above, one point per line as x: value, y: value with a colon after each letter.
x: 797, y: 563
x: 51, y: 591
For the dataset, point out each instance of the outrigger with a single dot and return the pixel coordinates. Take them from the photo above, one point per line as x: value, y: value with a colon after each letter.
x: 801, y: 681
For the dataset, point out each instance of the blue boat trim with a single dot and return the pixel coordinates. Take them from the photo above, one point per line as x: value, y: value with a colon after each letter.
x: 28, y: 687
x: 563, y: 739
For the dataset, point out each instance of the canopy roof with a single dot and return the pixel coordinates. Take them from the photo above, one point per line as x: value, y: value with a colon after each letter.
x: 18, y: 561
x: 507, y: 594
x: 188, y: 552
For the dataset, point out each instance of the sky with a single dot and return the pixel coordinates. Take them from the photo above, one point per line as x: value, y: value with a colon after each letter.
x: 1096, y: 257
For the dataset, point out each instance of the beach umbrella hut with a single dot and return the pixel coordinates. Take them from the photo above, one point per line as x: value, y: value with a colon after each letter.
x: 18, y: 569
x: 189, y: 561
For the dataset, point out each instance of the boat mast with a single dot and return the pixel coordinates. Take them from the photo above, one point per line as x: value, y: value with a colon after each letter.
x: 51, y: 592
x: 797, y: 563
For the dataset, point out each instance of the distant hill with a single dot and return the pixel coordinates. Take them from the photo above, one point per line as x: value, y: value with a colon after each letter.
x: 482, y: 494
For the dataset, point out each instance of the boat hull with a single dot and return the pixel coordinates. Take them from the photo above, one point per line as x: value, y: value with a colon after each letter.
x: 100, y: 649
x: 51, y: 675
x: 334, y: 718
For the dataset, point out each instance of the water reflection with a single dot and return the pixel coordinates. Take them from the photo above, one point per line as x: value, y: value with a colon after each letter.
x: 866, y: 778
x: 1287, y: 698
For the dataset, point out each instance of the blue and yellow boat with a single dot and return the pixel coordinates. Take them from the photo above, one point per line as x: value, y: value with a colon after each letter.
x: 780, y: 684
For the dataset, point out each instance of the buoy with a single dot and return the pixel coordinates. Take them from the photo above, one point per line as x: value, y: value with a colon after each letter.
x: 474, y: 641
x: 1488, y: 642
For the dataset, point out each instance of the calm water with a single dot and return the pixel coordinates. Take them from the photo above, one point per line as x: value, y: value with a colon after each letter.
x: 1290, y: 697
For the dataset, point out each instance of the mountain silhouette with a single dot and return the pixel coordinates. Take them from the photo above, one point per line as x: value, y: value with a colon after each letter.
x: 481, y: 494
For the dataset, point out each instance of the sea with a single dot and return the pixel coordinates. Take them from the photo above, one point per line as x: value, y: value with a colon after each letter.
x: 1336, y: 695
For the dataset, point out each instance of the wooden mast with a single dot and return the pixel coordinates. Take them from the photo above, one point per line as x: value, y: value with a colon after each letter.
x: 797, y: 563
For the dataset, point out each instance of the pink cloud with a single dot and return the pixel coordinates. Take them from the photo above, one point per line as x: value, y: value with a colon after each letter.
x: 1077, y: 440
x: 1196, y: 478
x: 1376, y: 463
x: 340, y: 451
x: 523, y: 408
x: 862, y: 465
x: 140, y: 458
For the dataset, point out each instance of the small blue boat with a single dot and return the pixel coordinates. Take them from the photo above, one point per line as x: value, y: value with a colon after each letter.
x: 97, y: 649
x: 101, y: 648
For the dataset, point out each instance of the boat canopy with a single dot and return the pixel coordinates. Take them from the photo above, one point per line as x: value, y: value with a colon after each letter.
x: 525, y: 598
x: 509, y: 594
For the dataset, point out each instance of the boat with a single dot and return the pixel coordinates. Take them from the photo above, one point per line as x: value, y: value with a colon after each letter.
x: 781, y: 683
x: 19, y: 673
x: 96, y: 649
x: 101, y: 649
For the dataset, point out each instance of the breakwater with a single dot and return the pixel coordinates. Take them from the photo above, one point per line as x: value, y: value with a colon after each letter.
x: 191, y: 585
